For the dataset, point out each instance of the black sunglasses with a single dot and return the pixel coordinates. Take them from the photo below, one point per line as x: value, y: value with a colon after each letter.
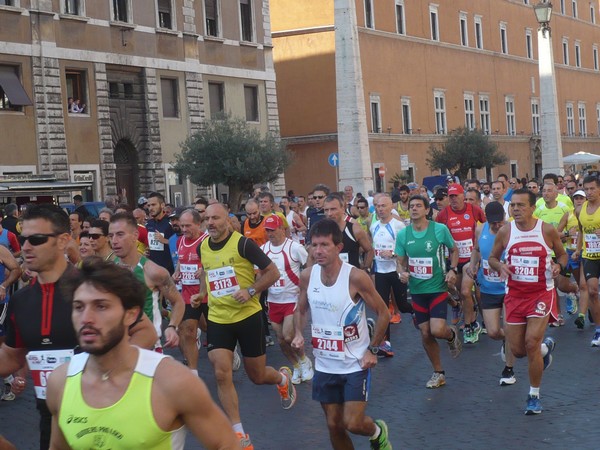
x: 37, y: 239
x: 95, y: 236
x: 318, y: 197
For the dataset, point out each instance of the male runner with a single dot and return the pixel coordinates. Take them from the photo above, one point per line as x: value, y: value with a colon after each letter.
x: 528, y: 244
x: 38, y: 318
x: 499, y: 192
x: 461, y: 219
x: 338, y: 294
x: 316, y: 212
x: 289, y: 257
x: 159, y: 231
x: 364, y: 218
x: 252, y: 227
x: 123, y: 235
x: 491, y: 286
x: 187, y: 273
x: 589, y: 240
x: 401, y: 205
x: 234, y: 313
x: 384, y: 232
x: 420, y: 251
x: 119, y: 396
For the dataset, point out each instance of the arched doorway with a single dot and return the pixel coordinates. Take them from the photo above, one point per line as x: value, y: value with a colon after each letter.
x: 126, y: 162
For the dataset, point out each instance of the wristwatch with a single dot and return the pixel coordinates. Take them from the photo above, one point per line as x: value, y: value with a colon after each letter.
x: 251, y: 291
x: 454, y: 269
x: 374, y: 349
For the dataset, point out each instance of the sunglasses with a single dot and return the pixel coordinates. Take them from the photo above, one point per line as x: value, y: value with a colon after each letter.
x: 532, y: 187
x: 37, y: 239
x: 201, y: 210
x: 95, y: 236
x: 318, y: 197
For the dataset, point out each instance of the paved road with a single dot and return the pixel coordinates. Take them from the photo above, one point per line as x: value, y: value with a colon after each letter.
x: 471, y: 412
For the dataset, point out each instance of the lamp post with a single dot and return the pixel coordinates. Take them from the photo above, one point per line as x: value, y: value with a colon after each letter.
x: 552, y: 161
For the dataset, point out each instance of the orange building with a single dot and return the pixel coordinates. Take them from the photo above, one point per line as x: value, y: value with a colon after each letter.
x: 426, y: 68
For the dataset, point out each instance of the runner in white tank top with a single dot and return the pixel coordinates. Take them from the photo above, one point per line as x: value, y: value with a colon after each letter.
x: 337, y: 294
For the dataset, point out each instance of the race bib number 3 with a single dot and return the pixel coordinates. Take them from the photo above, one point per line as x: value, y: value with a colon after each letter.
x: 526, y: 268
x: 420, y: 268
x: 328, y: 342
x: 41, y: 364
x: 223, y: 282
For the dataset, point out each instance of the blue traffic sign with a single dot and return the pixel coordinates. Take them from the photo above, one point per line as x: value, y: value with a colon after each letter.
x: 333, y: 159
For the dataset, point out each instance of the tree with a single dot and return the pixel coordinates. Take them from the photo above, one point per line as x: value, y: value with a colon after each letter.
x: 228, y: 151
x: 463, y: 150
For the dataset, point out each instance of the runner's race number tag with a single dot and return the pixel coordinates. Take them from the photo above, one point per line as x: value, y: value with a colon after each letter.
x: 41, y: 364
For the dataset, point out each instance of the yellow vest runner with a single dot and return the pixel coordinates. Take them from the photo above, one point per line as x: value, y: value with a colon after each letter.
x: 589, y: 224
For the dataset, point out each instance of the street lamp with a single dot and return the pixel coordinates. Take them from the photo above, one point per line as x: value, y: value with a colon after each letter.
x: 550, y: 126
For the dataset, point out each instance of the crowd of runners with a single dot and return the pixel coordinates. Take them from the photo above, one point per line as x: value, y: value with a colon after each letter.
x: 87, y: 304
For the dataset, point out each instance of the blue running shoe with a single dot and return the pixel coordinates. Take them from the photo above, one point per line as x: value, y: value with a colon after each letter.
x: 534, y: 406
x: 385, y: 349
x: 548, y: 358
x: 571, y: 304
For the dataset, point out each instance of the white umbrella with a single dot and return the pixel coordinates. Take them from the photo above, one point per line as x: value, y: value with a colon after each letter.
x: 581, y: 158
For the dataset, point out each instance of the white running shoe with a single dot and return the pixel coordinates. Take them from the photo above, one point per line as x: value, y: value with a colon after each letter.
x: 198, y: 338
x: 307, y: 369
x: 297, y: 375
x: 237, y: 361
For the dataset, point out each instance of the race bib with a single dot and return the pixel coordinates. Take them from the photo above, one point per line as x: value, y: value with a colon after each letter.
x: 526, y: 268
x: 379, y: 248
x: 153, y: 242
x: 344, y: 257
x: 420, y: 268
x: 222, y: 281
x: 464, y: 248
x: 188, y: 274
x: 592, y: 244
x: 328, y: 342
x: 42, y: 363
x: 278, y: 286
x: 490, y: 275
x: 573, y: 243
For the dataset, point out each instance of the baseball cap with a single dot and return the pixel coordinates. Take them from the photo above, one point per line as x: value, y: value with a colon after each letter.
x: 273, y: 222
x: 440, y: 193
x: 177, y: 212
x: 450, y: 179
x: 494, y: 212
x: 142, y: 200
x: 581, y: 193
x: 413, y: 185
x: 455, y: 189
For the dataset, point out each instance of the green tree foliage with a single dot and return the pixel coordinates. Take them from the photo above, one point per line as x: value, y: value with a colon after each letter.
x: 463, y: 150
x: 230, y: 152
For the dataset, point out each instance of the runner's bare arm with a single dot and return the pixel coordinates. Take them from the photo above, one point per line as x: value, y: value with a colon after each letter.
x: 499, y: 246
x: 553, y: 239
x: 361, y: 284
x: 268, y: 276
x: 365, y: 243
x: 301, y: 313
x: 10, y: 264
x: 11, y: 359
x: 143, y: 334
x: 475, y: 254
x: 196, y: 299
x: 166, y: 286
x: 56, y: 386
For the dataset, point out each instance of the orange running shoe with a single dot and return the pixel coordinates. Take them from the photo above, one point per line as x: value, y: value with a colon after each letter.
x: 287, y: 392
x: 245, y: 441
x: 396, y: 318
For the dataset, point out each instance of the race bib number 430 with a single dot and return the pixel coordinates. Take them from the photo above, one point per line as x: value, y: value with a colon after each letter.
x: 222, y: 282
x: 328, y: 342
x: 41, y: 364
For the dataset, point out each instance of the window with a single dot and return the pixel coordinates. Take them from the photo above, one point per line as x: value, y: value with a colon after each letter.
x: 211, y: 12
x: 128, y: 90
x: 375, y: 114
x: 400, y: 24
x: 582, y: 119
x: 165, y: 14
x: 72, y: 7
x: 570, y: 120
x: 170, y: 97
x: 562, y: 6
x: 246, y: 20
x: 464, y: 34
x: 503, y: 38
x: 565, y: 48
x: 369, y: 19
x: 77, y: 90
x: 598, y: 118
x: 510, y: 115
x: 433, y: 22
x: 478, y: 33
x: 439, y: 103
x: 528, y: 44
x: 9, y: 3
x: 592, y: 14
x: 574, y: 3
x: 12, y: 95
x: 121, y: 10
x: 595, y: 56
x: 469, y: 111
x: 406, y: 116
x: 514, y: 169
x: 535, y: 116
x: 113, y: 89
x: 251, y: 99
x: 216, y: 96
x: 577, y: 54
x: 484, y: 113
x: 526, y: 2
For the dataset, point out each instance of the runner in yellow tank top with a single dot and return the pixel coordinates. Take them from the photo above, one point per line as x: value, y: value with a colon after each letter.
x: 117, y: 395
x: 589, y: 241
